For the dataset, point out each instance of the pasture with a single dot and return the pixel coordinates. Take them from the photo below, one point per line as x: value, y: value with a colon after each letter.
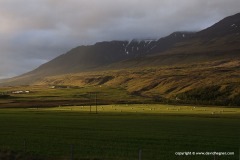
x: 117, y: 132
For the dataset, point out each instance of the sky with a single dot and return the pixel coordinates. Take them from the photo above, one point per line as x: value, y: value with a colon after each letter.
x: 32, y: 32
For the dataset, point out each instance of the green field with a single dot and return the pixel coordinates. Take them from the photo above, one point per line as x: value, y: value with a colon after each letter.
x: 117, y: 132
x: 45, y: 96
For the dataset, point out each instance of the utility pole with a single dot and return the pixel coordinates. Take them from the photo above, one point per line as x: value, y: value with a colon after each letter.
x: 96, y: 102
x: 90, y: 102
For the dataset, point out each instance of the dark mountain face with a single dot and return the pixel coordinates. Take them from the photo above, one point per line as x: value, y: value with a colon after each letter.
x: 187, y: 47
x: 227, y: 26
x: 88, y: 57
x: 169, y: 41
x: 85, y: 58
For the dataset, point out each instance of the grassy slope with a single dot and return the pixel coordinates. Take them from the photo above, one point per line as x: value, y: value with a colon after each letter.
x: 166, y: 82
x: 112, y: 134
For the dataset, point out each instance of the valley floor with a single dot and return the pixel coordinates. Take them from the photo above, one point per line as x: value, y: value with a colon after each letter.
x: 118, y: 132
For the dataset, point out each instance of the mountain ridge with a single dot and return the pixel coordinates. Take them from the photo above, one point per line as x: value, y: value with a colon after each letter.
x: 86, y: 58
x: 177, y: 48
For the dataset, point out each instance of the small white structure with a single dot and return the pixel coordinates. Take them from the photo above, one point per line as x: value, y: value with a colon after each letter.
x: 20, y: 92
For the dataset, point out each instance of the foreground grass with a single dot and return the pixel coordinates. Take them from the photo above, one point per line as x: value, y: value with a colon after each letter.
x: 118, y: 131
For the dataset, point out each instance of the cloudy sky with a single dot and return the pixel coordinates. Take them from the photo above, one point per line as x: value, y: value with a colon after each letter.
x: 33, y: 32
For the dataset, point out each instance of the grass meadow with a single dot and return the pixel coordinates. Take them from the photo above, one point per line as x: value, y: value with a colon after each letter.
x: 117, y: 132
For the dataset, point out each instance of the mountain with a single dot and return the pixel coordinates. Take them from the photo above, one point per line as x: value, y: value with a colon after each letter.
x: 214, y: 50
x: 92, y: 57
x: 100, y: 54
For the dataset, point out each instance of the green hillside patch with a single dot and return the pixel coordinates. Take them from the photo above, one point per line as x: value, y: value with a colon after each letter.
x: 214, y: 95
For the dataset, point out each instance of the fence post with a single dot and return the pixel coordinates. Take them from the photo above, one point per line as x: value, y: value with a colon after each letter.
x: 140, y: 154
x: 24, y: 145
x: 71, y: 152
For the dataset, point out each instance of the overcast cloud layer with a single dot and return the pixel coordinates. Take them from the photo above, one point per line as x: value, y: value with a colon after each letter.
x: 33, y: 32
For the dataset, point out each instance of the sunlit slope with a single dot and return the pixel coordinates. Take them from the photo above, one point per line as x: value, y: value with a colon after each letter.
x: 217, y: 82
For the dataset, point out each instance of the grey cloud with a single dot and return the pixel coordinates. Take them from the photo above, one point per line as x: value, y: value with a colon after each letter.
x: 33, y: 32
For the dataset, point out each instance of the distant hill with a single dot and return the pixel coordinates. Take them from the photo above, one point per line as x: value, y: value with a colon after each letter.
x: 216, y: 49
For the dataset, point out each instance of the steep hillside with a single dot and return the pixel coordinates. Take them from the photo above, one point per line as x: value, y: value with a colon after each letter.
x: 221, y: 38
x: 228, y: 26
x: 181, y: 83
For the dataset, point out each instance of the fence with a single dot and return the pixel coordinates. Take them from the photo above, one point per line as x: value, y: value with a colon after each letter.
x: 71, y: 152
